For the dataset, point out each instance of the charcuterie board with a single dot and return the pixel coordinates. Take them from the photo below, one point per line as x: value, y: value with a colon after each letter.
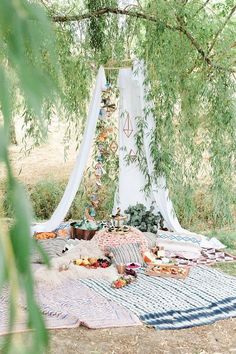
x: 168, y: 271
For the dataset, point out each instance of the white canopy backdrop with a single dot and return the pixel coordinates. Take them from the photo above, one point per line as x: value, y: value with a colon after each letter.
x: 131, y: 181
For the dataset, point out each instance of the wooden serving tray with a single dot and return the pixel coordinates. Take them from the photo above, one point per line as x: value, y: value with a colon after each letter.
x: 167, y: 265
x: 162, y: 274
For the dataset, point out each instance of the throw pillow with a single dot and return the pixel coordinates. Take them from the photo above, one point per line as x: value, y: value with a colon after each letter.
x: 53, y: 247
x: 181, y: 245
x: 192, y: 239
x: 127, y: 253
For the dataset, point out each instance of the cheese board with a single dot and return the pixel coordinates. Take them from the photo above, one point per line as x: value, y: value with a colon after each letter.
x: 168, y: 271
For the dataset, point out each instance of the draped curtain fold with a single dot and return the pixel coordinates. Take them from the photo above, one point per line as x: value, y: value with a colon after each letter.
x: 133, y: 104
x: 81, y: 160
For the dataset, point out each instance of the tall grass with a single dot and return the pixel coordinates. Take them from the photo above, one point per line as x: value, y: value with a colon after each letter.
x: 46, y: 195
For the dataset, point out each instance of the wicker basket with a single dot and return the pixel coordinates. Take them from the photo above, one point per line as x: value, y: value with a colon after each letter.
x: 81, y: 234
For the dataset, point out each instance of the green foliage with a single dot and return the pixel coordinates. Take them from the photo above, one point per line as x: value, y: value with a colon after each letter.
x: 46, y: 195
x: 194, y: 104
x: 143, y: 219
x: 189, y: 55
x: 27, y: 61
x: 229, y: 268
x: 228, y: 238
x: 101, y: 31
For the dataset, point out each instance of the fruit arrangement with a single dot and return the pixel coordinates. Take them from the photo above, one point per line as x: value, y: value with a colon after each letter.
x: 123, y: 281
x: 92, y: 262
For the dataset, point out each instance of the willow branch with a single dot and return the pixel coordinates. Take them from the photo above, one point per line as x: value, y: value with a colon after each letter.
x: 222, y: 28
x: 140, y: 15
x: 202, y: 7
x: 103, y: 11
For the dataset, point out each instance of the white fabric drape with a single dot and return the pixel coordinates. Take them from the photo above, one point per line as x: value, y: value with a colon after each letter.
x: 159, y: 188
x: 131, y: 180
x: 81, y: 160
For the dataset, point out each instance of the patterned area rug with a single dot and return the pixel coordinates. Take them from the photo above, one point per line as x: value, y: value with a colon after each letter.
x: 70, y: 305
x: 206, y: 296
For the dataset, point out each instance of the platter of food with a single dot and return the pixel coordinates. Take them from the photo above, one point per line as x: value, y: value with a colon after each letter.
x: 168, y: 271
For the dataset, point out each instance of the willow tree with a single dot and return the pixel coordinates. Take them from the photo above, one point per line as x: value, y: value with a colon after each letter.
x: 189, y: 51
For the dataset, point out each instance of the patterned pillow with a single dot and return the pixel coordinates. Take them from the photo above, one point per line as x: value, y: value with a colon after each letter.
x: 53, y: 248
x: 193, y: 239
x: 127, y: 253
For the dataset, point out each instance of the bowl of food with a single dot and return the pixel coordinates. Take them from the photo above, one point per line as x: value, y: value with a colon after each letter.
x: 133, y: 265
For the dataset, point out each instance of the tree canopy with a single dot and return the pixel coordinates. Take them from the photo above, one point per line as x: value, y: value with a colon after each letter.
x: 189, y: 51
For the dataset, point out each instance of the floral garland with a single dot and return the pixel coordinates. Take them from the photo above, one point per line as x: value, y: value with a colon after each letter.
x: 105, y: 143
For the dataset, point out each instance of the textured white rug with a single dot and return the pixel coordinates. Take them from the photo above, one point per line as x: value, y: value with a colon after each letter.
x: 52, y: 277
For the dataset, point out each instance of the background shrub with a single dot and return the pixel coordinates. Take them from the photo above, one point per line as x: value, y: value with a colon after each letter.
x: 46, y: 195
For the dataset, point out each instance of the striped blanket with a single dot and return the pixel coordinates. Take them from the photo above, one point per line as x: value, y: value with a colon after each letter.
x: 206, y: 296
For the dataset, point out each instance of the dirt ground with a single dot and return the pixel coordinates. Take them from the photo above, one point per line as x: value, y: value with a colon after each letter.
x: 218, y: 338
x: 44, y: 161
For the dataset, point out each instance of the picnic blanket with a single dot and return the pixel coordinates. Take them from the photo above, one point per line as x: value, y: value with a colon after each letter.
x: 208, y: 257
x: 69, y: 305
x: 206, y: 296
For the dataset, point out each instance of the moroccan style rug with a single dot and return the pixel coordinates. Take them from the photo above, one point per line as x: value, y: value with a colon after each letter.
x: 208, y: 257
x: 206, y: 296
